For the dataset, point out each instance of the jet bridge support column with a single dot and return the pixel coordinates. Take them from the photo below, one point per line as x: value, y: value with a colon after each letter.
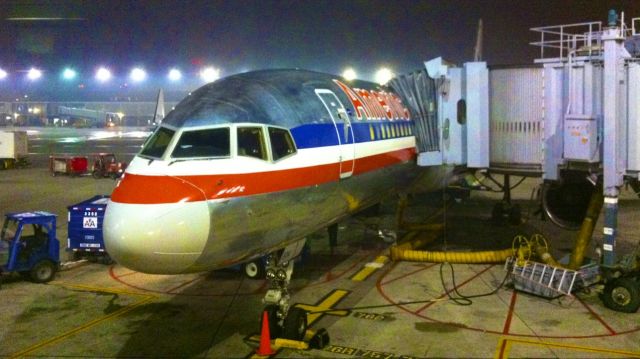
x: 614, y: 144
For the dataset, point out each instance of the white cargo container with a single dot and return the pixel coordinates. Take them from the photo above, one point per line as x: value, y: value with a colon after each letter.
x: 13, y: 148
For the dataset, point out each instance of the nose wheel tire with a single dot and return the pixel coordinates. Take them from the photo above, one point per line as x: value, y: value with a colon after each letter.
x: 295, y: 324
x: 272, y: 316
x: 254, y: 270
x: 622, y: 295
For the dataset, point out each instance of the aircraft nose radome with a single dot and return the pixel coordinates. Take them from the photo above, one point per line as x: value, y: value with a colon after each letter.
x: 156, y: 238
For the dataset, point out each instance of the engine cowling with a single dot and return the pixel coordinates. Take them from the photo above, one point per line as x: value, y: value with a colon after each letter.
x: 565, y: 202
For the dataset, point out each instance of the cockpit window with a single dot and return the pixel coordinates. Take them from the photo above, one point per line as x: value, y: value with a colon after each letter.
x: 251, y: 142
x: 203, y: 143
x: 157, y: 143
x: 281, y: 143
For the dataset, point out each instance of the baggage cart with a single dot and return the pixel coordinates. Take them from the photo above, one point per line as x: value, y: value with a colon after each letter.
x: 69, y: 165
x: 84, y: 229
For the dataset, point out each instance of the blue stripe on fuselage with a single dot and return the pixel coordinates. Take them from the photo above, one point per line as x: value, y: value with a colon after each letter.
x: 324, y: 134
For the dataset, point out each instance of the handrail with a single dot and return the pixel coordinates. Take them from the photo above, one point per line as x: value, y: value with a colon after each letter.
x: 569, y: 38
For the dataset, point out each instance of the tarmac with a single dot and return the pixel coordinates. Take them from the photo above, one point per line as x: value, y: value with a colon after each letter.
x: 371, y: 307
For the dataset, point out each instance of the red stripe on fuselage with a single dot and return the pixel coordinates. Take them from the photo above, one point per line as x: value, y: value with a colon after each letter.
x: 142, y: 189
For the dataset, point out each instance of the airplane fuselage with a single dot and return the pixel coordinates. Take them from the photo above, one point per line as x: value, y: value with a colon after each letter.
x: 251, y: 163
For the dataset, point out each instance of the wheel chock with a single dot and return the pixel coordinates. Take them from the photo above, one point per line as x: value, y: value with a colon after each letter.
x: 290, y: 343
x: 319, y: 340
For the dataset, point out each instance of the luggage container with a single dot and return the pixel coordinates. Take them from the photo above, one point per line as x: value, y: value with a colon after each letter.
x: 13, y: 149
x: 85, y: 229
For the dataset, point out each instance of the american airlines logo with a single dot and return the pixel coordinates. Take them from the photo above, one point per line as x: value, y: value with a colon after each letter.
x: 375, y: 105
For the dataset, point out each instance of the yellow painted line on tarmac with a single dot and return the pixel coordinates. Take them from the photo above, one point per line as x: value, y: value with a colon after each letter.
x: 325, y: 306
x: 369, y: 268
x: 505, y: 345
x: 145, y: 298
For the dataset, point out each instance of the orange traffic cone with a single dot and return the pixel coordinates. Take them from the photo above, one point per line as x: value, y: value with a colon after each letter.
x: 265, y: 337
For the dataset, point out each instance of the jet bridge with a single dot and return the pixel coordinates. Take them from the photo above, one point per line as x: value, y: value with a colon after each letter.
x: 450, y: 106
x: 572, y: 117
x: 95, y: 117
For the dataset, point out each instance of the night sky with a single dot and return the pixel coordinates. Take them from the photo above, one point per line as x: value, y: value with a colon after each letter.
x: 244, y: 35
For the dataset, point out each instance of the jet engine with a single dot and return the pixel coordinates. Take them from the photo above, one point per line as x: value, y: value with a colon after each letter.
x: 565, y: 202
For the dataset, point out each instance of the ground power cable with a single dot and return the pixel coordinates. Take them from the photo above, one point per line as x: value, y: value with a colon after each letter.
x: 224, y: 316
x: 460, y: 298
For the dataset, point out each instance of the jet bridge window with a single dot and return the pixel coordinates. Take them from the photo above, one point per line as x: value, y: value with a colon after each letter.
x: 203, y: 143
x: 281, y: 143
x: 251, y: 142
x: 157, y: 143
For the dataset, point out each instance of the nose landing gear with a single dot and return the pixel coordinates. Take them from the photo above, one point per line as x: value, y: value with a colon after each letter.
x: 284, y: 321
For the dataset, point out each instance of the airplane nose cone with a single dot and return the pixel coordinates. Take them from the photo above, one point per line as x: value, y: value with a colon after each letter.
x: 157, y: 238
x: 164, y: 238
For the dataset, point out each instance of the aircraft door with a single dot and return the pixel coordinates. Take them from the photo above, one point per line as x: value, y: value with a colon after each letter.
x: 344, y: 131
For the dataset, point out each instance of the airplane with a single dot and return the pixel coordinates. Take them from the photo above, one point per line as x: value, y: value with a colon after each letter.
x: 249, y: 165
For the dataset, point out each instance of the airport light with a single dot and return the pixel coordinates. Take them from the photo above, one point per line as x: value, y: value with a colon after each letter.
x: 103, y: 74
x: 138, y: 75
x: 174, y: 75
x: 209, y: 74
x: 34, y: 74
x: 3, y: 74
x: 384, y: 75
x: 69, y: 74
x: 349, y: 74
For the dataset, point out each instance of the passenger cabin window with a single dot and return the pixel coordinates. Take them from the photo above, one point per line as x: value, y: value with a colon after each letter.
x: 157, y: 144
x: 251, y: 142
x: 203, y: 143
x: 281, y: 143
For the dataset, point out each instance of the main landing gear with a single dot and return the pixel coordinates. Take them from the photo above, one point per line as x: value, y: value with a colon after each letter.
x: 284, y: 321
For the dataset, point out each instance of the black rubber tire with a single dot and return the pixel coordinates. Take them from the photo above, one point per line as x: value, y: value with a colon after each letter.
x: 272, y: 315
x: 497, y: 213
x: 622, y: 295
x: 43, y: 271
x: 106, y: 259
x: 515, y: 215
x: 96, y: 174
x: 295, y: 324
x: 254, y: 269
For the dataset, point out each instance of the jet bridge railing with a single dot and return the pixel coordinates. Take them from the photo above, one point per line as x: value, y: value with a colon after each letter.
x: 560, y: 41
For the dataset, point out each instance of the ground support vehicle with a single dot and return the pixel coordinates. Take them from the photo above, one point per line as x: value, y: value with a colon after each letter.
x: 13, y: 149
x: 106, y: 165
x: 69, y: 165
x: 622, y: 286
x: 84, y: 228
x: 29, y: 245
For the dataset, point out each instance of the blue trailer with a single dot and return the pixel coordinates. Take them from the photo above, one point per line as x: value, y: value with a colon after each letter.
x: 84, y: 227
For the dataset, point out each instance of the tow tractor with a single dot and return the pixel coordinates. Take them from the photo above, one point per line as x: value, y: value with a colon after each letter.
x: 106, y: 165
x: 32, y: 248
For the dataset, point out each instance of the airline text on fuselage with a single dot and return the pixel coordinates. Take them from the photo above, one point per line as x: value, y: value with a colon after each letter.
x: 375, y: 105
